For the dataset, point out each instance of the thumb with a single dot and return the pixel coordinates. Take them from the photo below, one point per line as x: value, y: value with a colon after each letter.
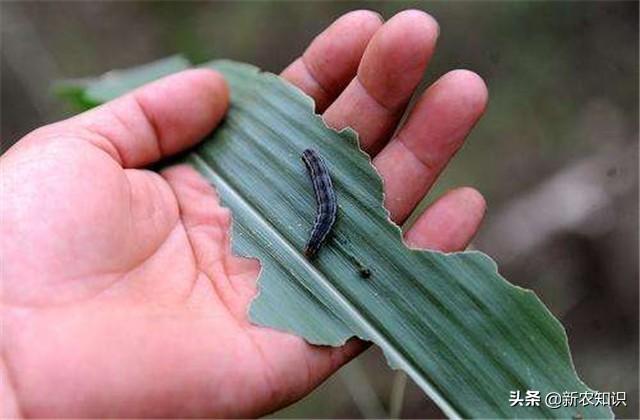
x: 157, y: 120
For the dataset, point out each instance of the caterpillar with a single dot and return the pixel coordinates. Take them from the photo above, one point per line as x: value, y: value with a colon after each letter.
x: 326, y: 203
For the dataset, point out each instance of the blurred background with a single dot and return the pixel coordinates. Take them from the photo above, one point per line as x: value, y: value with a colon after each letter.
x: 556, y: 154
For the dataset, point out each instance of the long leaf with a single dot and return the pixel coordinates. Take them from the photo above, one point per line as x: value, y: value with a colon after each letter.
x: 466, y: 336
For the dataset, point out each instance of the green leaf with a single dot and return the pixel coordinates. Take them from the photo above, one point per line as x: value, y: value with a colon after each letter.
x: 465, y: 335
x: 87, y: 93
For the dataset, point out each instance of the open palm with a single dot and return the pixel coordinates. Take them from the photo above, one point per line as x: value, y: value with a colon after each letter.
x: 120, y: 296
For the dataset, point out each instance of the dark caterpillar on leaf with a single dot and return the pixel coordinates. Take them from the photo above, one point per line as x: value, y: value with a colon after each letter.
x: 326, y: 203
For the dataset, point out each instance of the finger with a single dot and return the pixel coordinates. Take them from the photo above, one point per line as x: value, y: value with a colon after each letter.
x: 391, y: 68
x: 296, y: 365
x: 450, y: 223
x: 323, y: 361
x: 434, y: 131
x: 331, y: 60
x: 157, y: 120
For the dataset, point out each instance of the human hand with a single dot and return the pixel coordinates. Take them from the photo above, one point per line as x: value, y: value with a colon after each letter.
x: 119, y: 293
